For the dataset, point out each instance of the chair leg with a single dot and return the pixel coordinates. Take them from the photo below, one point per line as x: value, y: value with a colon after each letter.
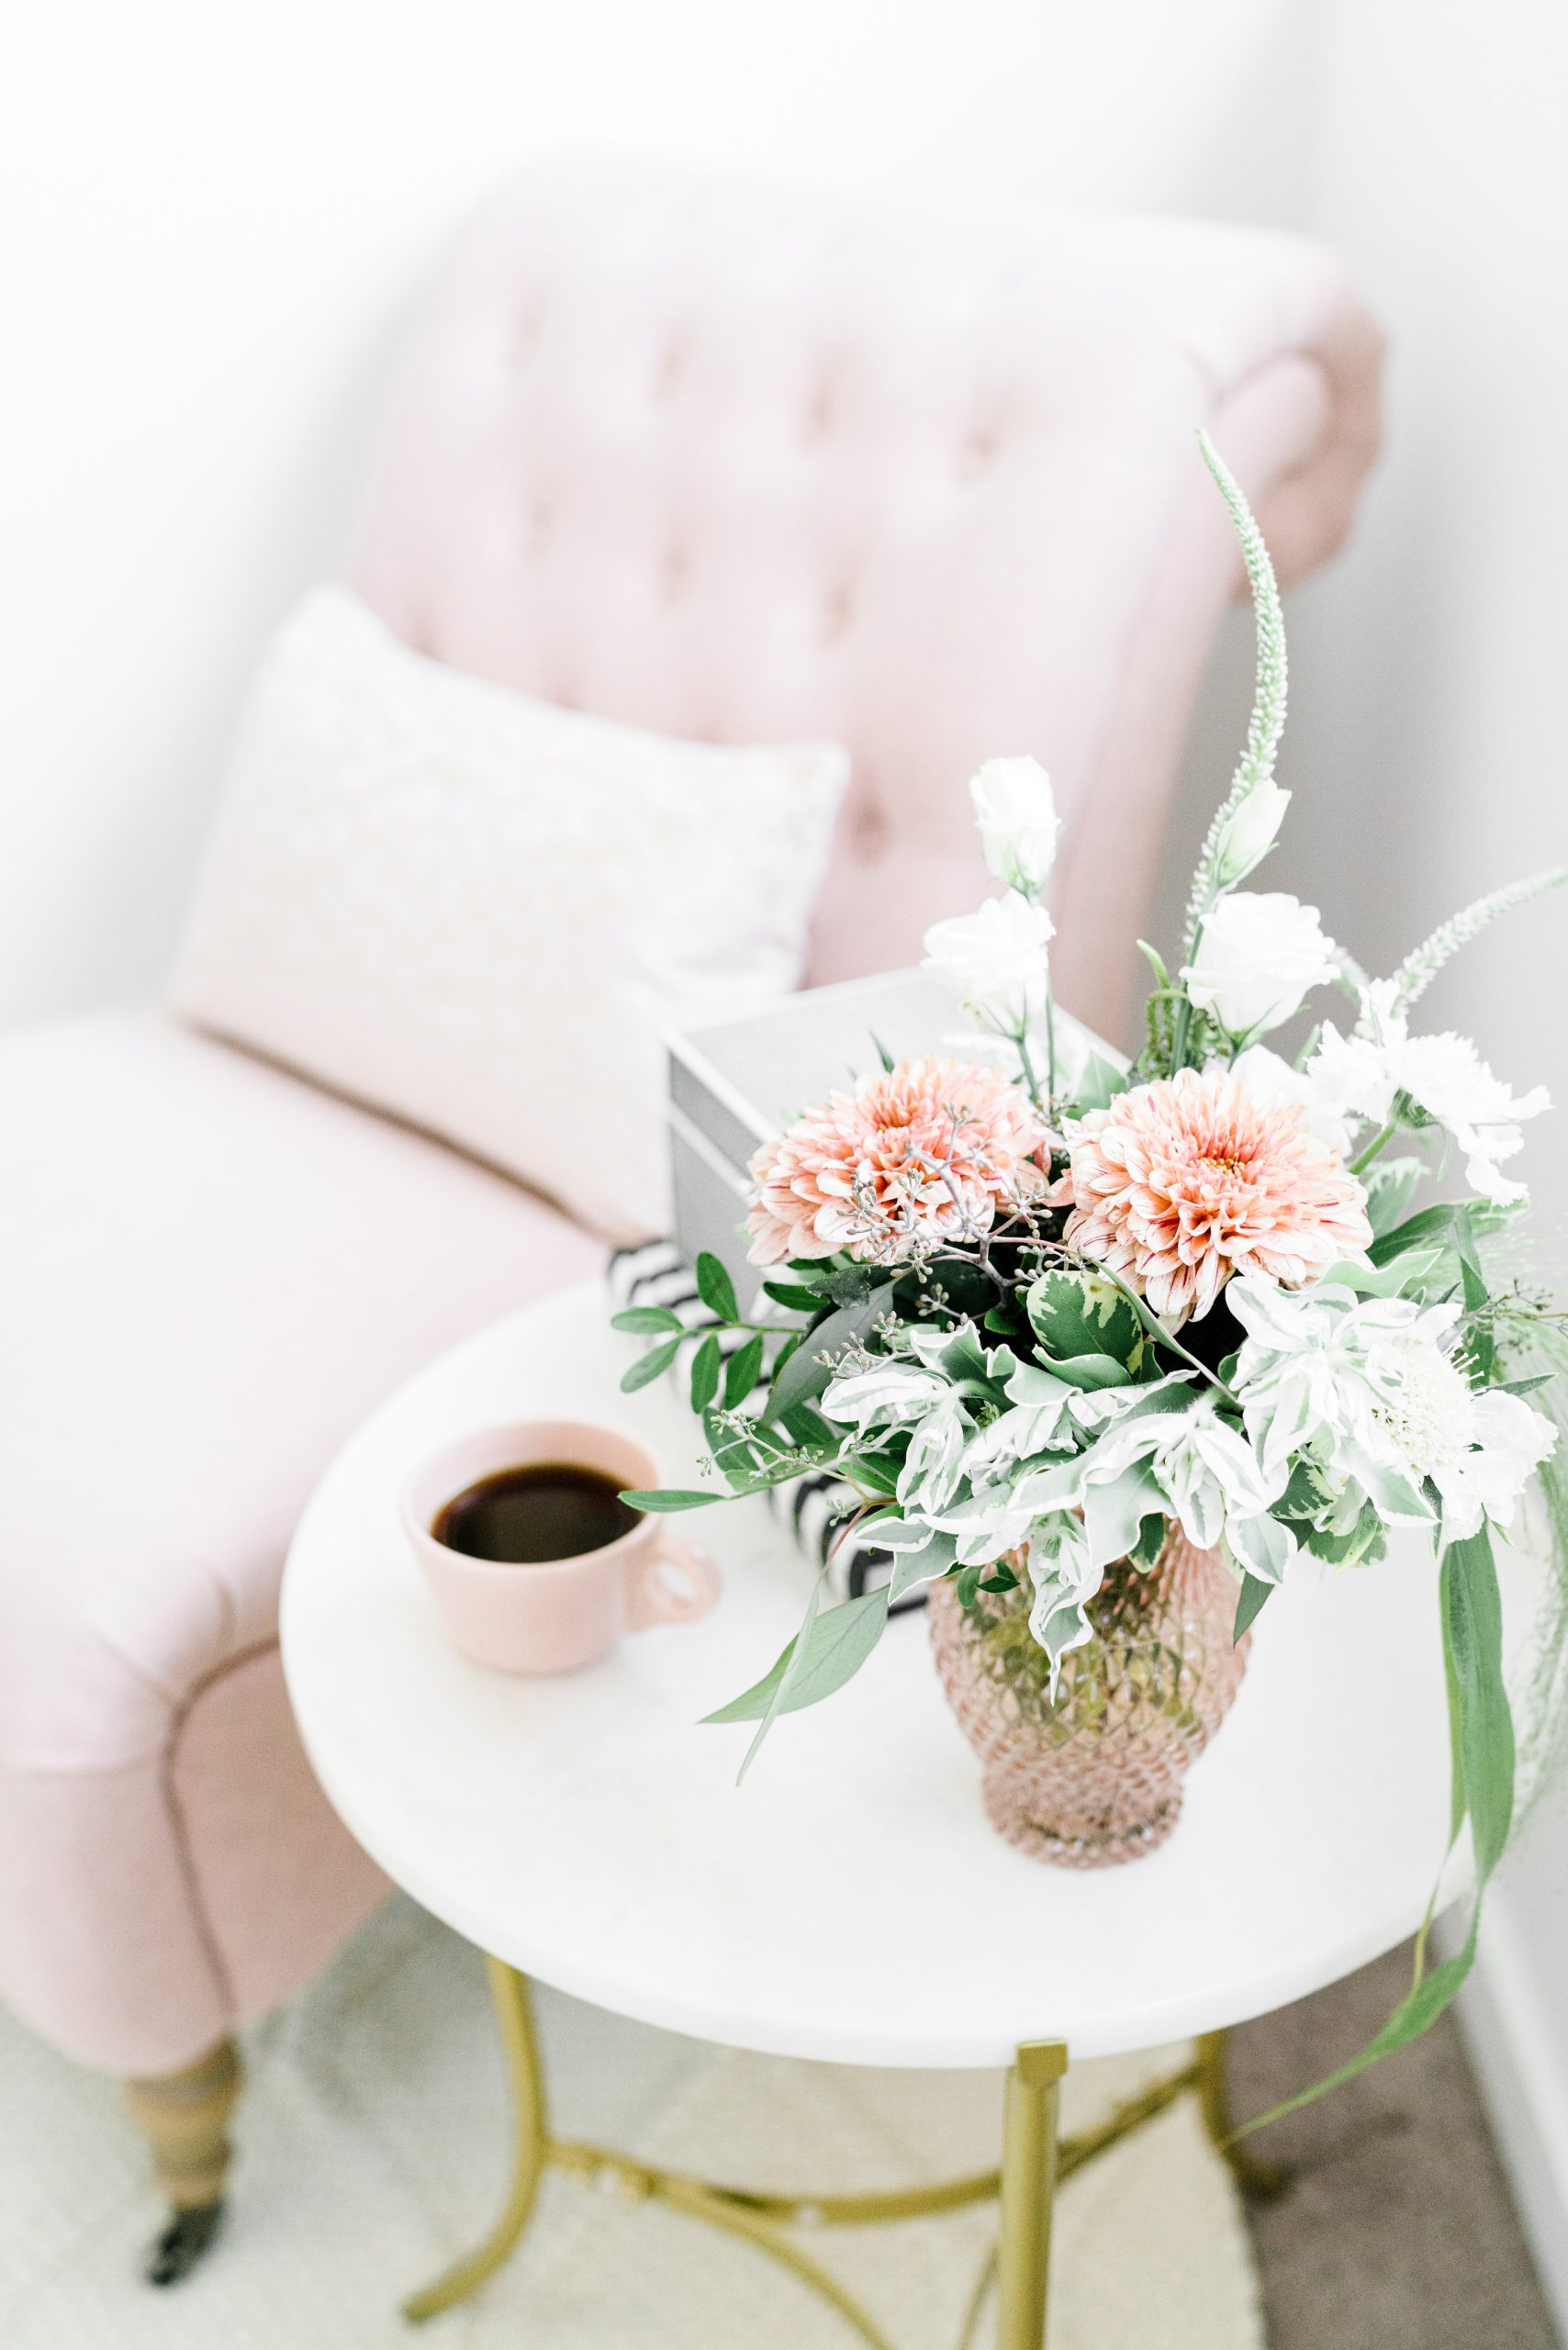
x: 184, y: 2117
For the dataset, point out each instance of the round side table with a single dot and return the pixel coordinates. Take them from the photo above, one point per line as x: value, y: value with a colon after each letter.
x: 849, y: 1903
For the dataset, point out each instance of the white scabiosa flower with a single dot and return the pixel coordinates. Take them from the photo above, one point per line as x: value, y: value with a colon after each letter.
x: 1362, y: 1076
x: 995, y: 961
x: 1019, y: 827
x: 1447, y: 1077
x: 1256, y: 957
x: 1479, y: 1450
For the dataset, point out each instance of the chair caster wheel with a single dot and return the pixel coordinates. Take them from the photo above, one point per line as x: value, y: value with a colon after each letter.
x: 183, y: 2243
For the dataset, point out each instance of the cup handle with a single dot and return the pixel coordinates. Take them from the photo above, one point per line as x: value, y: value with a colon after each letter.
x: 654, y: 1599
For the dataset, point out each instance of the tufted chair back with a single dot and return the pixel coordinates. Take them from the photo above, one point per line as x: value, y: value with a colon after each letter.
x: 744, y: 466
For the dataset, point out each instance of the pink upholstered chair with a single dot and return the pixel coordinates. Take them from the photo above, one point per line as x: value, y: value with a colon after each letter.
x: 733, y: 466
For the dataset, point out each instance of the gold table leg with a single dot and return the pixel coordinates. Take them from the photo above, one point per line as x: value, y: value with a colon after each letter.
x: 514, y: 2012
x: 1028, y: 2191
x: 1032, y: 2163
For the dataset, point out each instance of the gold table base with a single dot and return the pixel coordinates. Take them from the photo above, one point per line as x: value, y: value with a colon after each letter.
x: 1033, y: 2161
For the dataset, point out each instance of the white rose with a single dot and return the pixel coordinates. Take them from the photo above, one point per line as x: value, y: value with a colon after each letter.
x: 1257, y: 957
x: 1018, y: 823
x: 995, y: 960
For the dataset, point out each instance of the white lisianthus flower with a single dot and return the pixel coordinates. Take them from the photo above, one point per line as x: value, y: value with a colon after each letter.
x: 995, y: 960
x: 1019, y: 827
x: 1248, y: 832
x: 1256, y: 957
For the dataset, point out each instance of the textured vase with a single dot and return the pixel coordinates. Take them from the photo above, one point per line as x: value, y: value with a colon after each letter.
x: 1095, y: 1777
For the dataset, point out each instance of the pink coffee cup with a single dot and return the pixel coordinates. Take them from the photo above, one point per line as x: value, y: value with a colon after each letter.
x: 551, y: 1616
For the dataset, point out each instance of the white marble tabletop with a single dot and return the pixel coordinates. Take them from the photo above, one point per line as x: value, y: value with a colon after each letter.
x: 850, y: 1901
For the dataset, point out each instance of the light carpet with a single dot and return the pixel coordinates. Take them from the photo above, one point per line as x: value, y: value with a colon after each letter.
x: 375, y: 2131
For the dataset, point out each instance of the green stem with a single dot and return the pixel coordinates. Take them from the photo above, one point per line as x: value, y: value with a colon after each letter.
x: 1379, y: 1143
x: 1030, y: 1080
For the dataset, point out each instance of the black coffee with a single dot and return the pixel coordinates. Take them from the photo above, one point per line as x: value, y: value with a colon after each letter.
x: 546, y: 1509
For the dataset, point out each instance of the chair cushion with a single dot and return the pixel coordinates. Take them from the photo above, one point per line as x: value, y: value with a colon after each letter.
x: 481, y: 912
x: 214, y: 1272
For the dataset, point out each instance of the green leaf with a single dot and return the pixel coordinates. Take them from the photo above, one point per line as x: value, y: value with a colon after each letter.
x: 1524, y: 1386
x: 744, y: 1371
x: 705, y: 1367
x: 643, y: 1320
x: 1075, y: 1315
x: 828, y: 1649
x: 1100, y: 1083
x: 874, y: 1470
x: 649, y: 1366
x: 799, y: 1299
x: 716, y: 1288
x: 804, y: 1378
x: 1483, y: 1734
x: 1090, y: 1371
x: 888, y: 1064
x: 803, y: 1425
x: 666, y: 1499
x: 1390, y: 1188
x: 1449, y: 1223
x: 847, y: 1284
x: 1409, y: 1266
x: 1250, y: 1605
x: 913, y: 1567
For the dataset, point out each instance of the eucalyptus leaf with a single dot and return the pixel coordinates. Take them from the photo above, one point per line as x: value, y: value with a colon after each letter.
x: 1484, y: 1786
x: 804, y: 1378
x: 744, y: 1371
x: 648, y: 1367
x: 716, y: 1288
x: 666, y: 1499
x: 828, y: 1649
x: 706, y: 1365
x: 795, y: 1296
x: 1250, y: 1605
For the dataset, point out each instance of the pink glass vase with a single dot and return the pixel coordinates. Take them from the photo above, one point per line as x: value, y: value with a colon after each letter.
x: 1094, y: 1776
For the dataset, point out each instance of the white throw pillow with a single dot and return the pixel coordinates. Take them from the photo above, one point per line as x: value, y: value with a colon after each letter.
x: 479, y: 912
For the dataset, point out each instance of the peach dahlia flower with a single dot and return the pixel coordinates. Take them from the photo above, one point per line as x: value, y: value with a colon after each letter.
x: 927, y: 1151
x: 1179, y: 1184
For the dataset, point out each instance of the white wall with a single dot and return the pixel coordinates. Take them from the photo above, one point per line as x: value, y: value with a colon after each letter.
x: 217, y: 220
x: 1440, y: 748
x: 216, y: 223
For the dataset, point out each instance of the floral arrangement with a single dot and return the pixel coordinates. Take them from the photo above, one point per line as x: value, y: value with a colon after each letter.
x: 1035, y: 1314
